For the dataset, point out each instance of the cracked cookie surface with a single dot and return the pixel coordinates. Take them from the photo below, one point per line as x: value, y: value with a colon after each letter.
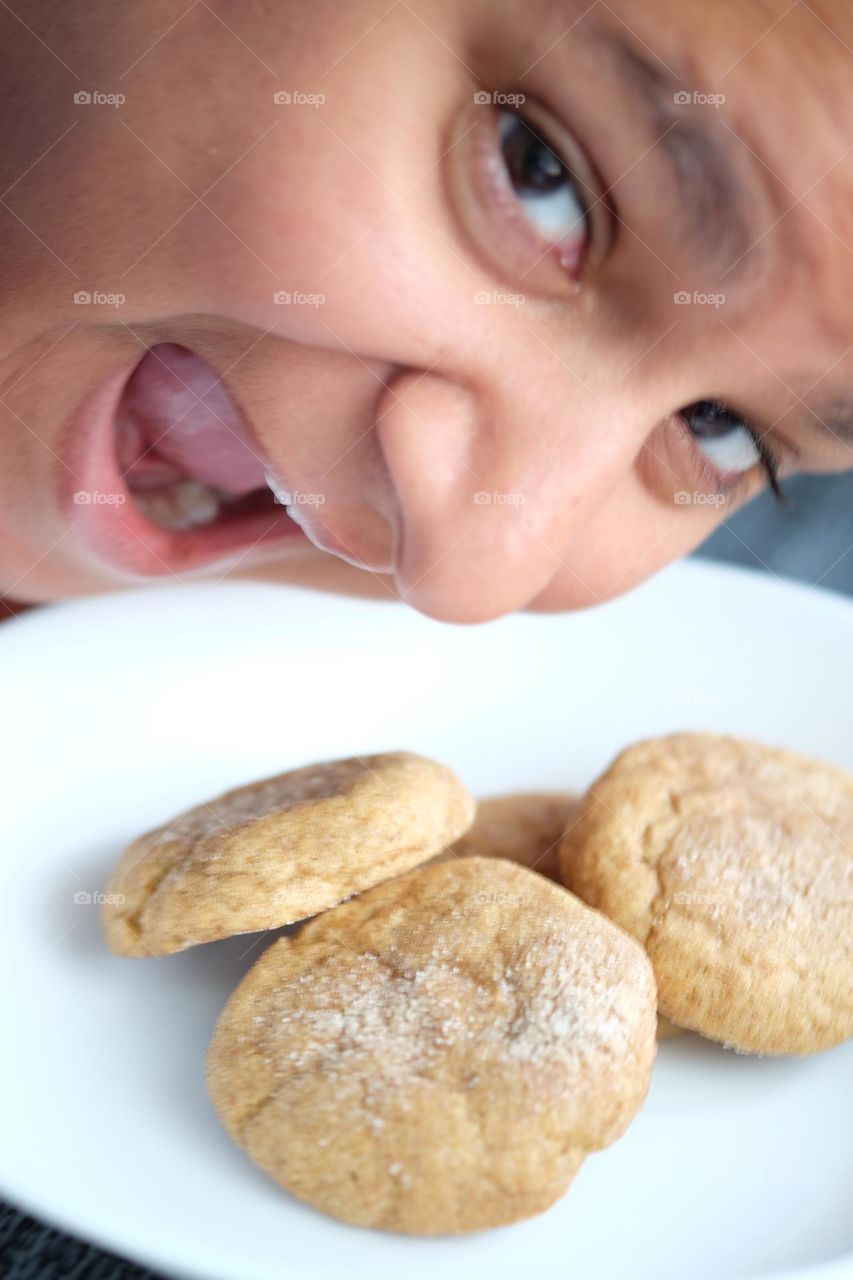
x: 276, y: 851
x: 732, y: 862
x: 439, y: 1054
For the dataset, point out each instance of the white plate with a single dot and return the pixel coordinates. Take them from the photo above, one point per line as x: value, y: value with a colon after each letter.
x: 119, y: 711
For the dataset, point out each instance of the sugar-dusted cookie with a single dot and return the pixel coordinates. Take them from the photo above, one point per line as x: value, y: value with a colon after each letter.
x: 668, y: 1030
x: 277, y: 851
x: 525, y: 827
x: 732, y: 863
x: 439, y: 1054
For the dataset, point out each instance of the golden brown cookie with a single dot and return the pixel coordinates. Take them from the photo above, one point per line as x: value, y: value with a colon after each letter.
x: 668, y: 1030
x: 280, y: 850
x: 732, y: 863
x: 439, y: 1054
x: 525, y: 827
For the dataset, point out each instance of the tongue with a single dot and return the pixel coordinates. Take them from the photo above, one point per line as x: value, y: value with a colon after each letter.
x: 176, y: 421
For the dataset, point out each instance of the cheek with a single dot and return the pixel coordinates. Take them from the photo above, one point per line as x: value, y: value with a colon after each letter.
x: 335, y: 200
x: 348, y: 261
x: 39, y: 558
x: 343, y: 203
x: 627, y: 539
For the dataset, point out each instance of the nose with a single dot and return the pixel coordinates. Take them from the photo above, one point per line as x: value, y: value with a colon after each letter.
x: 485, y: 512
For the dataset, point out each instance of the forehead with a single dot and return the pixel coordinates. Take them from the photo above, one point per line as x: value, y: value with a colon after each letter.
x: 782, y: 73
x: 799, y: 53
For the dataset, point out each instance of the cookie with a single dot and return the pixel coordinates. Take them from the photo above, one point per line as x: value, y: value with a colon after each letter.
x: 732, y: 863
x: 668, y: 1030
x: 439, y: 1054
x: 525, y: 827
x: 277, y: 851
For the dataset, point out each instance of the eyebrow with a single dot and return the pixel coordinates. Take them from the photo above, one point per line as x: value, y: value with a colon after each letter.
x: 713, y: 204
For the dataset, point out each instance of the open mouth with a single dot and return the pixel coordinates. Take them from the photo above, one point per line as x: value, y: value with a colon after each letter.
x: 182, y: 448
x: 167, y: 475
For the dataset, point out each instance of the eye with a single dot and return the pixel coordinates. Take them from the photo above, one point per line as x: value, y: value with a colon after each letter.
x: 732, y: 445
x: 528, y: 199
x: 545, y: 188
x: 725, y: 439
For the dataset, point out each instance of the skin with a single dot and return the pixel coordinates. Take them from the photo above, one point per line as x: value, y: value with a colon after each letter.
x: 401, y: 396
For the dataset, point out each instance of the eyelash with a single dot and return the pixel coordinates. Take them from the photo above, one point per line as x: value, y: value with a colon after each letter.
x: 496, y: 214
x: 569, y: 174
x: 769, y: 460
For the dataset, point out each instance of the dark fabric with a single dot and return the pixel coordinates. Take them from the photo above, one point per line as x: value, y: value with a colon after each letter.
x: 31, y: 1251
x: 812, y: 540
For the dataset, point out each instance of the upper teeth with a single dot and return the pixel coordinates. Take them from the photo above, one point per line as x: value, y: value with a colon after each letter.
x: 183, y: 505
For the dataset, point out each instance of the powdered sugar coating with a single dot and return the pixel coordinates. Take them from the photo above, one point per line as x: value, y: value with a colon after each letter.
x: 259, y: 799
x: 733, y: 863
x: 560, y: 1003
x: 470, y: 1024
x: 282, y: 849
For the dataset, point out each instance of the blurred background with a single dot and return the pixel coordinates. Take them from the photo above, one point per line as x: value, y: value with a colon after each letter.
x: 811, y: 540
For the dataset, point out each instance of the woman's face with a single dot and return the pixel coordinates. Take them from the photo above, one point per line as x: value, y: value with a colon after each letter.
x: 511, y: 302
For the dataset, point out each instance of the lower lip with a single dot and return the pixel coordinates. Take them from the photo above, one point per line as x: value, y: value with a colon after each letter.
x: 97, y: 505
